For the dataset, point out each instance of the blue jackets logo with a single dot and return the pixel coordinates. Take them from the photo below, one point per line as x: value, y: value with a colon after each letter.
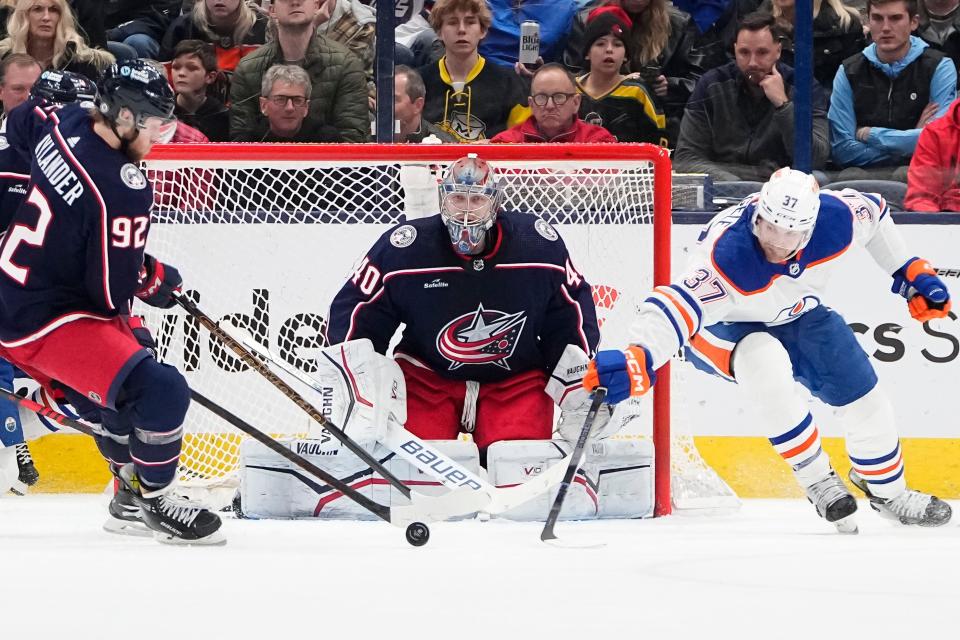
x: 481, y: 337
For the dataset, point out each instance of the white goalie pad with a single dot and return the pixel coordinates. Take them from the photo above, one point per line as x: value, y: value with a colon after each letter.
x: 361, y: 390
x: 615, y: 480
x: 273, y: 487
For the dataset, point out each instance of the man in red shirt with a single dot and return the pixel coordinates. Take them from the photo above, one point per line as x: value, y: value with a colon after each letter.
x: 554, y: 101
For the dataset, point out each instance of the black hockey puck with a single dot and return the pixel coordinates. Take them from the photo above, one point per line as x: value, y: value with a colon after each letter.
x: 417, y: 534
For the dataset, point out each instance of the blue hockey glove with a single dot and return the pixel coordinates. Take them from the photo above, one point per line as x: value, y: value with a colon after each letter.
x: 925, y: 292
x: 158, y: 282
x: 624, y: 373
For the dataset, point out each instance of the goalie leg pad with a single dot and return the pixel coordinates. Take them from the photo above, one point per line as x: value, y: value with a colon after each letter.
x: 614, y: 481
x: 273, y: 487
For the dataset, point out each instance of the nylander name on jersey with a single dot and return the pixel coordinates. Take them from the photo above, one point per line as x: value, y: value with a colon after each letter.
x: 487, y: 318
x: 728, y: 278
x: 75, y: 246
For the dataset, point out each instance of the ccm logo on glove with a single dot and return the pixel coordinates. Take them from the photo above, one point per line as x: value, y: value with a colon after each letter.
x: 624, y: 373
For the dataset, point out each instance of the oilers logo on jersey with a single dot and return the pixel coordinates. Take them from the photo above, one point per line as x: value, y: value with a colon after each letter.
x: 484, y: 336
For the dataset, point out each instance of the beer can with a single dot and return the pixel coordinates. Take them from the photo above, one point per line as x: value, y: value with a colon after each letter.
x: 529, y: 42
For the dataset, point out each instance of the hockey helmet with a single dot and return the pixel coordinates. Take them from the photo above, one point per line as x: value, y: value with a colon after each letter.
x: 790, y: 202
x: 64, y: 87
x: 136, y: 85
x: 470, y: 198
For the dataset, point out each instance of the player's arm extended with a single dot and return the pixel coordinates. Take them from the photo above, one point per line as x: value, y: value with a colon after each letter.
x: 363, y: 308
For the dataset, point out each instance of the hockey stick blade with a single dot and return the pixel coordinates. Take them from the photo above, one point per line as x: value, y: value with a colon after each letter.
x: 403, y: 442
x: 599, y: 394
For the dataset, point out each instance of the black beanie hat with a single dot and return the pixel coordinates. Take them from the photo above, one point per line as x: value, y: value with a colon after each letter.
x: 608, y: 21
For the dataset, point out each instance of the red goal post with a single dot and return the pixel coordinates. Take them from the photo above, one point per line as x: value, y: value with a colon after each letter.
x: 227, y: 213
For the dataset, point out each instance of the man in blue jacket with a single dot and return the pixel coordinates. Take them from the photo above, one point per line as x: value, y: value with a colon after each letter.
x: 902, y: 85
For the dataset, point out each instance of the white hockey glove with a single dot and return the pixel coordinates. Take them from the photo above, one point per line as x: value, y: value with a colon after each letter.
x: 363, y: 390
x: 565, y: 386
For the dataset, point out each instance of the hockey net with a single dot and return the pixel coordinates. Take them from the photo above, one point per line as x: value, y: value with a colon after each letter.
x: 265, y: 235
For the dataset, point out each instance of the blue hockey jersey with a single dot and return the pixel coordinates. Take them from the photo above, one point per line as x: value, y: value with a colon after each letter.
x: 483, y: 318
x: 18, y: 135
x: 75, y: 246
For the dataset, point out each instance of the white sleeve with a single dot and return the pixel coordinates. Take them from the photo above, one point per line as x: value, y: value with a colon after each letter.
x: 671, y: 315
x: 873, y: 228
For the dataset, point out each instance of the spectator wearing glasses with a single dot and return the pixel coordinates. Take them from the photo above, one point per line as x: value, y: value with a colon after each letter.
x: 554, y: 103
x: 285, y: 105
x: 621, y: 104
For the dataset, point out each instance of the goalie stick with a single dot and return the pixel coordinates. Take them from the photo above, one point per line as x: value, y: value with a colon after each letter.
x: 422, y: 507
x: 424, y: 457
x: 257, y: 365
x: 547, y: 535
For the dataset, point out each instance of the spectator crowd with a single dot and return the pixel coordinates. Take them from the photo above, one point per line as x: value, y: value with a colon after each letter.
x: 713, y: 81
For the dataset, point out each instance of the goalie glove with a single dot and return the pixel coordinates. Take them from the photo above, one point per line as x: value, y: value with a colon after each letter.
x: 926, y: 294
x: 565, y: 386
x: 158, y: 282
x: 625, y: 374
x: 362, y: 390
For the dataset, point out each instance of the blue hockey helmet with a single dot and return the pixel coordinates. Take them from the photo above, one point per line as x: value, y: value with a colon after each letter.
x: 470, y: 197
x: 64, y: 87
x: 138, y: 86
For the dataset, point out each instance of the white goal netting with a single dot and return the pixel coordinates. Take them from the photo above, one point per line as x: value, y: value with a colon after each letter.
x: 265, y: 236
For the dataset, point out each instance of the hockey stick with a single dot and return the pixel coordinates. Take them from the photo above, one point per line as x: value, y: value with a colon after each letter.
x: 254, y: 363
x: 422, y: 508
x: 947, y: 273
x: 598, y: 396
x: 49, y: 413
x: 426, y: 458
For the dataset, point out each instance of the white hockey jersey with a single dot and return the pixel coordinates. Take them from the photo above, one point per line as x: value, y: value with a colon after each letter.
x: 729, y: 280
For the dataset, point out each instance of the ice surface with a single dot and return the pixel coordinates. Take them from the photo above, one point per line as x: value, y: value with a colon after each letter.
x: 774, y: 570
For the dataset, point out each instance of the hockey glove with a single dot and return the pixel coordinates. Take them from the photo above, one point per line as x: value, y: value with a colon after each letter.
x: 142, y: 334
x: 566, y: 388
x: 158, y: 282
x: 926, y: 293
x: 624, y: 373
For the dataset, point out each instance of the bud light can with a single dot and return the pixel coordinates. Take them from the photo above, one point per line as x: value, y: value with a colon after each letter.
x: 529, y: 42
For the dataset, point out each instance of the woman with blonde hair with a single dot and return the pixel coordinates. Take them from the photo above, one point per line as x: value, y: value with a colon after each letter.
x: 837, y: 35
x: 234, y: 27
x: 660, y: 42
x: 46, y: 29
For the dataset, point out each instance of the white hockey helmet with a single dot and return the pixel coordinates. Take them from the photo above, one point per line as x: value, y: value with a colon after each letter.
x: 470, y: 198
x: 790, y: 201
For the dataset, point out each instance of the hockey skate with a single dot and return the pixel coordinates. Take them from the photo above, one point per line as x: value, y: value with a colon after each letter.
x: 173, y: 519
x: 833, y: 502
x: 28, y: 472
x: 124, y: 511
x: 909, y: 508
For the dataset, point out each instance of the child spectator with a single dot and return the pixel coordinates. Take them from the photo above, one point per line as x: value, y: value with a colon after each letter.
x: 194, y: 71
x: 620, y: 104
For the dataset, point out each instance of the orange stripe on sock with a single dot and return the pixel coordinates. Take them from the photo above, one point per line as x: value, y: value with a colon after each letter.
x: 806, y: 445
x: 877, y: 472
x: 718, y: 356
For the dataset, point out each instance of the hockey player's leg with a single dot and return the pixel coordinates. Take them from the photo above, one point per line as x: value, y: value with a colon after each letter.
x: 153, y: 399
x: 515, y: 409
x: 878, y: 470
x: 763, y: 370
x: 17, y: 471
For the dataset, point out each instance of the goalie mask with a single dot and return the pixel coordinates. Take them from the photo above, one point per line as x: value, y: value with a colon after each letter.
x: 469, y: 201
x: 786, y: 213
